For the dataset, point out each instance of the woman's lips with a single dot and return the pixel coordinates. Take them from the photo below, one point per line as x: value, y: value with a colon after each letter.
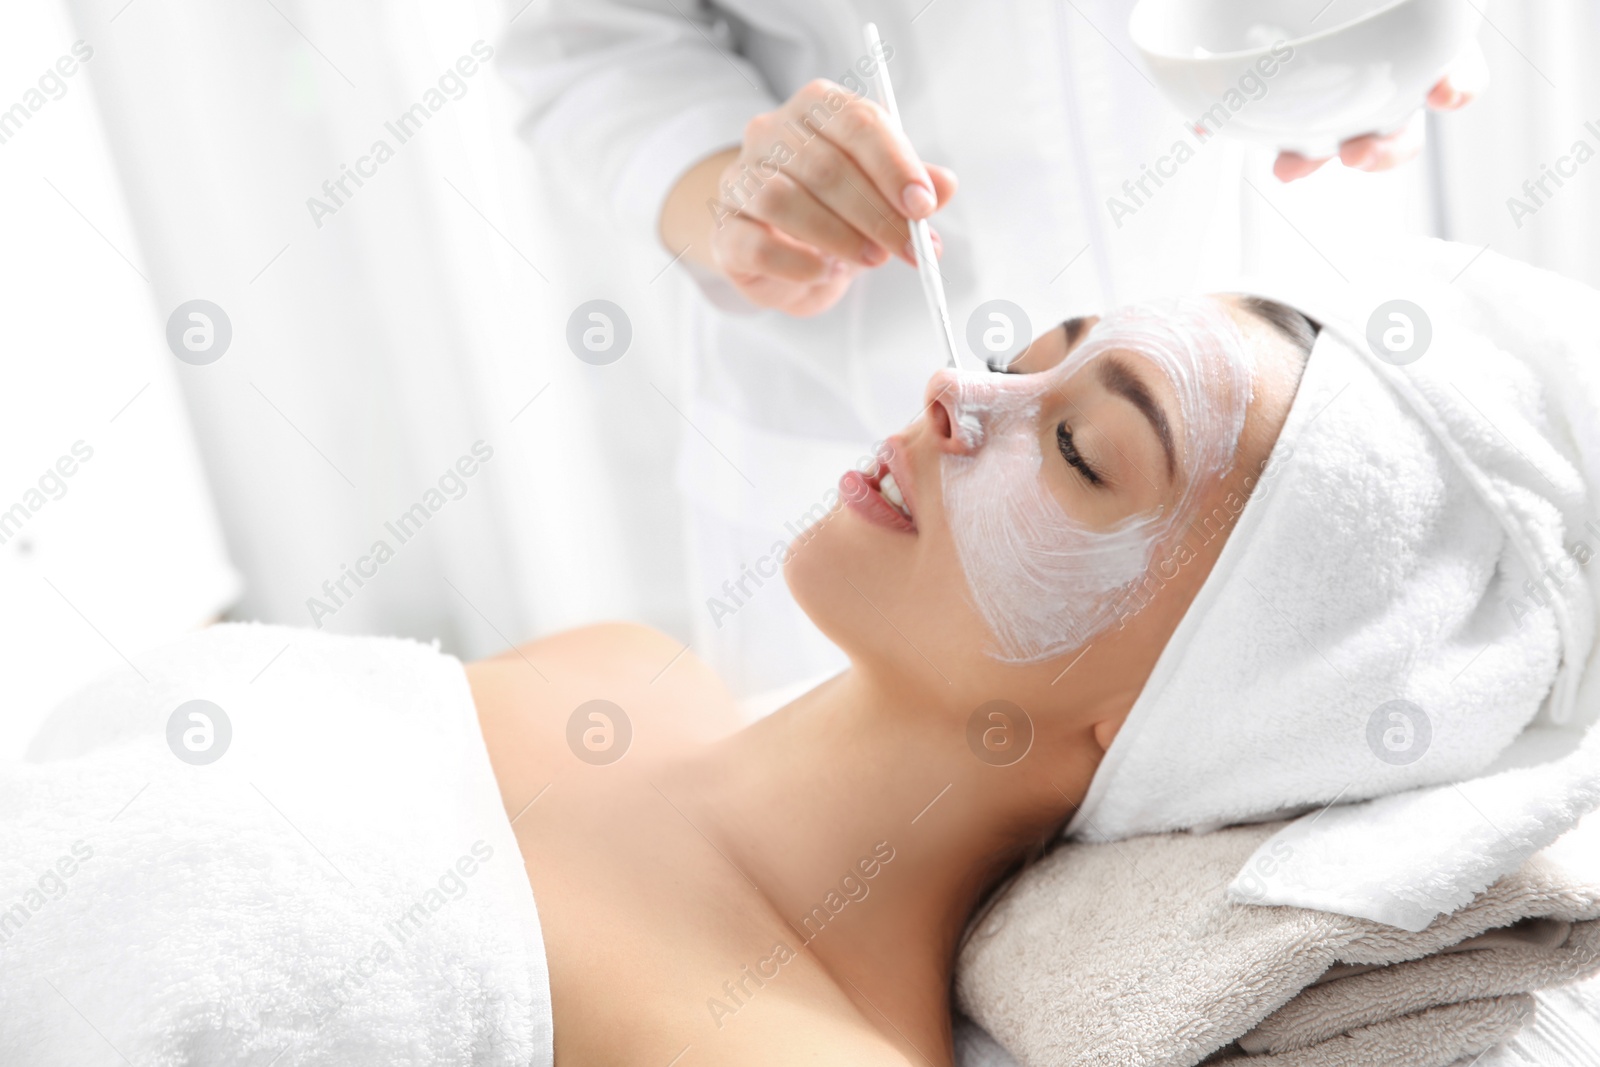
x: 864, y: 494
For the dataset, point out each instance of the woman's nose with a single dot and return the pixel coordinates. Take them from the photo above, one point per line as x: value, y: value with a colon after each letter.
x: 956, y: 428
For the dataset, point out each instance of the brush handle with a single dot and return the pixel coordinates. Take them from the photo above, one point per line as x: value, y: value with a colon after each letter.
x: 921, y: 236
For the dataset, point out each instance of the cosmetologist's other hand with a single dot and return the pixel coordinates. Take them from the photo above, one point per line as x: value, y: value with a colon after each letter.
x: 1461, y: 84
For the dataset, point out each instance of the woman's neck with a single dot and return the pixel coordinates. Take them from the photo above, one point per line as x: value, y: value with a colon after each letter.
x: 873, y: 829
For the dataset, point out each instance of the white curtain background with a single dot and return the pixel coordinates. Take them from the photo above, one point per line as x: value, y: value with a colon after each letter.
x: 371, y: 352
x: 429, y: 312
x: 108, y: 539
x: 1545, y: 96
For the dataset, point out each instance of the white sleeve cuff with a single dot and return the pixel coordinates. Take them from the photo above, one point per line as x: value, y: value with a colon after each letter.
x: 662, y: 157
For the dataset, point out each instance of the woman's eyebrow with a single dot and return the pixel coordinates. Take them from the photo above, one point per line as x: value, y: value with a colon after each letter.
x: 1072, y: 331
x: 1120, y: 379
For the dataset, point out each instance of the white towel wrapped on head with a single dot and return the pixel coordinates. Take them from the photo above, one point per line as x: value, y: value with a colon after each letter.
x: 340, y: 886
x: 1406, y: 591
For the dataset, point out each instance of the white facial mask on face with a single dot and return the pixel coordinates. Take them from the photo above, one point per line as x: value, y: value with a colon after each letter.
x: 1044, y: 581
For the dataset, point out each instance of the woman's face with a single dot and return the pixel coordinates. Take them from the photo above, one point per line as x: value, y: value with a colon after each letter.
x: 1057, y: 517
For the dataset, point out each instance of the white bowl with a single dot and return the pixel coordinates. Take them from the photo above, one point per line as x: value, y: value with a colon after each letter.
x: 1299, y: 74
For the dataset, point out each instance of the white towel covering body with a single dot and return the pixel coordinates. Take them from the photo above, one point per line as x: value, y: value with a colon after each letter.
x: 340, y: 886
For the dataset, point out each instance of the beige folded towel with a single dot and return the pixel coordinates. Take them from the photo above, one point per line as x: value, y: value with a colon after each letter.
x: 1129, y: 954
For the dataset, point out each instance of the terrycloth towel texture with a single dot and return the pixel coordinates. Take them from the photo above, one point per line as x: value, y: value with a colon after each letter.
x: 1409, y: 581
x: 1130, y: 955
x: 1564, y: 1032
x: 341, y: 886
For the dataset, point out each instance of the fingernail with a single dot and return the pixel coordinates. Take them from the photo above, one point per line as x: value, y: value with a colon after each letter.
x: 873, y: 254
x: 918, y: 200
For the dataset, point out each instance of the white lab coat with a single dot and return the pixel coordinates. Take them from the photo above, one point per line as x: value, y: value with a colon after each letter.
x: 1038, y: 107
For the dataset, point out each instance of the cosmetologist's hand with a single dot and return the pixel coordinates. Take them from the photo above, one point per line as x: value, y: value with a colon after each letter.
x: 820, y: 190
x: 1461, y: 84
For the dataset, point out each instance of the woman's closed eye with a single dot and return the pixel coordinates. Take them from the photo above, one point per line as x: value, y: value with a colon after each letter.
x: 1069, y: 452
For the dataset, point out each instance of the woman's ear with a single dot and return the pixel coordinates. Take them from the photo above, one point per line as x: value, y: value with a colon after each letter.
x: 1105, y: 732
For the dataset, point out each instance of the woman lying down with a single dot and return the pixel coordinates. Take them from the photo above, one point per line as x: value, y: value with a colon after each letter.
x: 1160, y: 575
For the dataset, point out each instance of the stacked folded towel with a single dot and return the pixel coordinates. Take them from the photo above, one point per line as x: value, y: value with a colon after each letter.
x: 1131, y: 953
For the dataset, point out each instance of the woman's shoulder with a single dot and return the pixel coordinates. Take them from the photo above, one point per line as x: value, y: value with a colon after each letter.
x: 654, y: 941
x: 597, y: 693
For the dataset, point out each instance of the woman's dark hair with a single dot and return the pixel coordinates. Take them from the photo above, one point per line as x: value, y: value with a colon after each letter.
x: 1300, y: 329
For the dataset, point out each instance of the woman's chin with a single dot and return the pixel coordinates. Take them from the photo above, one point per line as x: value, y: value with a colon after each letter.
x: 878, y: 601
x: 841, y: 571
x: 818, y: 568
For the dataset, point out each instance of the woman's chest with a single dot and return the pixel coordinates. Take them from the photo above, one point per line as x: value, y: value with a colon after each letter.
x: 658, y: 946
